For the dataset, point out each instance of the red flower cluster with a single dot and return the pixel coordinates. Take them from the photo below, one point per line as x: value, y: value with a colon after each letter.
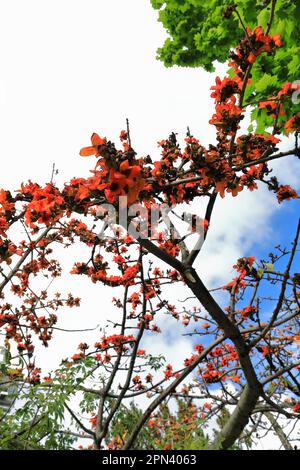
x: 285, y: 193
x: 119, y: 176
x: 226, y: 88
x: 114, y: 341
x: 293, y: 124
x: 46, y: 204
x: 98, y: 272
x: 227, y: 117
x: 251, y: 47
x: 245, y: 267
x: 211, y: 374
x: 168, y: 371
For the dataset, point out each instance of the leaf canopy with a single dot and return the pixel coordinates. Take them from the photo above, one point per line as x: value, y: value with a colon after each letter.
x: 200, y: 33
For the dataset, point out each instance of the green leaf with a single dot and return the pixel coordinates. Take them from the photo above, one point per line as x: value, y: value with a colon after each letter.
x: 260, y: 272
x: 269, y: 267
x: 265, y: 83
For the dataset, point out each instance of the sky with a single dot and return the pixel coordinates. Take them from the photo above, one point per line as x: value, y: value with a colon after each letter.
x: 70, y: 68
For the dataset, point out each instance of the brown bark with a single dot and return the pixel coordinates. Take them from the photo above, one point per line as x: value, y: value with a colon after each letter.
x: 240, y: 417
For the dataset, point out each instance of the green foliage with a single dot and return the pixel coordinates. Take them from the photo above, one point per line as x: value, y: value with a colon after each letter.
x: 34, y: 421
x: 124, y: 421
x: 177, y: 430
x: 199, y: 34
x: 37, y: 417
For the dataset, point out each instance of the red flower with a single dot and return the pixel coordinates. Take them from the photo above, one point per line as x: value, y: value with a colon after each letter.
x: 292, y: 124
x: 226, y: 88
x: 270, y: 106
x: 78, y: 357
x: 123, y: 136
x: 287, y: 89
x: 3, y: 226
x: 168, y: 371
x: 296, y: 408
x: 94, y: 149
x: 5, y: 205
x: 149, y: 378
x: 199, y: 348
x: 136, y: 379
x: 285, y: 193
x: 93, y: 421
x: 126, y: 181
